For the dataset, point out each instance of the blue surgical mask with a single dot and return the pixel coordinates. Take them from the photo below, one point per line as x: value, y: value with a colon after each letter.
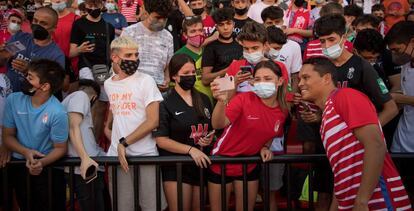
x: 253, y: 58
x: 264, y: 89
x: 59, y: 6
x: 334, y: 51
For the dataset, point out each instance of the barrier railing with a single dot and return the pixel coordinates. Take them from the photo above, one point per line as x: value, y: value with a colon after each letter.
x: 159, y: 161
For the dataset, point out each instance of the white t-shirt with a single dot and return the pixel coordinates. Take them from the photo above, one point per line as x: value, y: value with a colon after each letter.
x: 128, y: 99
x: 404, y: 134
x: 291, y: 56
x: 155, y: 50
x: 78, y: 102
x: 5, y: 90
x: 255, y: 11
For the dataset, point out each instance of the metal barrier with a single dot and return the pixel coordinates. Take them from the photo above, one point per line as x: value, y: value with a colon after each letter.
x: 179, y: 161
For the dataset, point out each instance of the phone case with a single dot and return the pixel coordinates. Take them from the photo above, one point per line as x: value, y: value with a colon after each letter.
x: 226, y: 83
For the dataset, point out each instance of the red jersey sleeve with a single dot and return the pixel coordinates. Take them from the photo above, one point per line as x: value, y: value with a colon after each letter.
x: 355, y: 108
x: 349, y: 46
x: 234, y: 67
x: 235, y: 107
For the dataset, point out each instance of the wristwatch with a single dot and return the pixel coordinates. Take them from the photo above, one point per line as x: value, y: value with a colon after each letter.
x: 123, y: 142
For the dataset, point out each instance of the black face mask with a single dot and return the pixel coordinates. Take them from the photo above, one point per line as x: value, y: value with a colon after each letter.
x: 299, y: 3
x: 198, y: 11
x: 241, y: 11
x: 129, y: 66
x: 187, y: 82
x: 39, y: 32
x: 28, y: 88
x: 95, y: 13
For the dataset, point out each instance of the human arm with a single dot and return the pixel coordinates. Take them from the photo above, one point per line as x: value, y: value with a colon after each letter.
x: 140, y: 132
x: 208, y: 76
x: 302, y: 32
x: 184, y: 8
x: 108, y: 125
x: 374, y: 153
x: 265, y: 152
x: 76, y: 50
x: 201, y: 159
x: 400, y: 98
x: 389, y: 111
x: 75, y: 136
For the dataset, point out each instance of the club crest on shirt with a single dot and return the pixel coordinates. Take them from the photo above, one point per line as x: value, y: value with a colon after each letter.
x: 207, y: 113
x: 350, y: 74
x: 45, y: 118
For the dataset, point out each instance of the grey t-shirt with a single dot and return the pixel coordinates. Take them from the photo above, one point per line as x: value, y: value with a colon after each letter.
x: 78, y: 102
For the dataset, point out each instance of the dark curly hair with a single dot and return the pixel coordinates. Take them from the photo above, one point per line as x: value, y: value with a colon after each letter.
x: 369, y: 40
x: 253, y: 31
x: 161, y: 7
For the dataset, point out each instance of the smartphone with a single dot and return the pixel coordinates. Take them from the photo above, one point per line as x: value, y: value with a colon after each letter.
x: 91, y: 174
x: 246, y: 69
x: 225, y: 83
x: 14, y: 47
x: 306, y: 106
x: 210, y: 133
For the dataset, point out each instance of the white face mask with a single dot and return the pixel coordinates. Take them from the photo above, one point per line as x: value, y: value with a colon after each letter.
x: 14, y: 27
x: 273, y: 53
x: 253, y: 58
x: 59, y: 6
x: 110, y: 6
x: 334, y: 51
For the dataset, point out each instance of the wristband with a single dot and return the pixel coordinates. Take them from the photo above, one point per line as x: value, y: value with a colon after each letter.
x: 189, y: 150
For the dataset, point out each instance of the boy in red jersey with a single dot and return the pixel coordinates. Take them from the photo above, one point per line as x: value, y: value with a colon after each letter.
x: 365, y: 177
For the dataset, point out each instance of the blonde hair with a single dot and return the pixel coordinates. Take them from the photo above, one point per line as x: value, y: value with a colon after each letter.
x: 123, y: 42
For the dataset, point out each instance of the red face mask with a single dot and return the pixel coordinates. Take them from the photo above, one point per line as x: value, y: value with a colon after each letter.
x: 196, y: 41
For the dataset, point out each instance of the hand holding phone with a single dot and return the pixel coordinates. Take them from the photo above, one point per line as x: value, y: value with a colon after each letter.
x: 91, y: 174
x: 14, y: 47
x: 246, y: 69
x: 225, y: 83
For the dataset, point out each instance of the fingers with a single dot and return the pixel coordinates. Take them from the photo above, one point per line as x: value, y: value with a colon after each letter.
x: 124, y: 163
x: 38, y: 154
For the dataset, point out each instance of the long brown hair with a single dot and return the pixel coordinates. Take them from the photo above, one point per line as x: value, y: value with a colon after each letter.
x: 175, y: 65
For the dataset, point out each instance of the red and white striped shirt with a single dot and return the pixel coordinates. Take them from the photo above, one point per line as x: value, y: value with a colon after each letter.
x: 345, y: 110
x: 314, y: 49
x: 128, y: 8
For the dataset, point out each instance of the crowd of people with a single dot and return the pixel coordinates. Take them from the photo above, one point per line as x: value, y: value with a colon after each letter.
x: 201, y: 78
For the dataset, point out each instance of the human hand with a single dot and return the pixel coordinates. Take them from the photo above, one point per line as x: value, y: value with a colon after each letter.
x: 86, y: 47
x: 20, y: 65
x: 206, y: 140
x: 221, y: 96
x: 290, y: 31
x: 310, y: 117
x: 122, y: 157
x: 242, y: 77
x: 201, y: 159
x: 85, y: 164
x: 266, y: 154
x: 35, y: 167
x: 4, y: 156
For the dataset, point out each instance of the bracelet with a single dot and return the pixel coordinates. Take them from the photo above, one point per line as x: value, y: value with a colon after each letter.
x: 189, y: 150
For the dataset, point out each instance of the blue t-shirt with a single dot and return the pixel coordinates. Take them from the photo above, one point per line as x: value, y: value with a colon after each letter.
x: 32, y: 51
x: 37, y: 128
x: 117, y: 20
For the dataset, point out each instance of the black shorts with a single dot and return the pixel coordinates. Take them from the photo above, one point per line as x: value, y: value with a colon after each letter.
x: 308, y: 131
x: 406, y: 170
x: 252, y: 176
x: 190, y: 174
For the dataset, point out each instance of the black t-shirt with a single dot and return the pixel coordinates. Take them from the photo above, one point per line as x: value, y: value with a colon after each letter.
x: 180, y: 122
x: 29, y: 7
x: 238, y: 25
x: 174, y: 26
x: 220, y: 55
x: 358, y: 74
x: 84, y: 30
x: 386, y: 68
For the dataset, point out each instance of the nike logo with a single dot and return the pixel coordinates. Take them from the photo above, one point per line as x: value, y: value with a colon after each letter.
x: 178, y: 113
